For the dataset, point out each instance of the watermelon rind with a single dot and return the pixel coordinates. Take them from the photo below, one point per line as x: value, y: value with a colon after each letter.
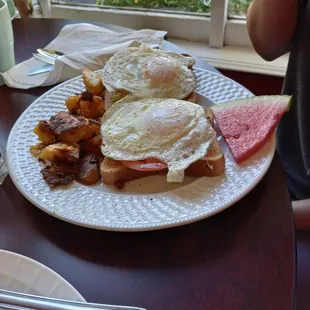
x: 253, y: 100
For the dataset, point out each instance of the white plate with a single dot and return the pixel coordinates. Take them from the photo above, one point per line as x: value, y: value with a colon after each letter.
x: 24, y: 275
x: 144, y: 204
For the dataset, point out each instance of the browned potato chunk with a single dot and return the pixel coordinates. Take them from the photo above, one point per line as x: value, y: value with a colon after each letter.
x: 60, y: 152
x: 94, y: 126
x: 45, y: 133
x: 88, y: 133
x: 70, y: 129
x: 93, y: 145
x: 92, y: 108
x: 64, y: 121
x: 36, y: 150
x: 93, y: 82
x: 73, y: 103
x: 57, y: 174
x: 76, y: 135
x: 88, y: 169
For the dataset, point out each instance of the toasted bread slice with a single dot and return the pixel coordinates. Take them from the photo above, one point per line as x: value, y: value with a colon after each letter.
x: 112, y: 97
x: 114, y: 173
x: 210, y: 116
x: 212, y: 165
x: 192, y: 97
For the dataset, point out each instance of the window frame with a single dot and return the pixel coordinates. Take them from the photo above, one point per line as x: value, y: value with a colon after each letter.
x: 215, y: 29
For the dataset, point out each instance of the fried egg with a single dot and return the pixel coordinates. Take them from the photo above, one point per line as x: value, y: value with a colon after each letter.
x: 150, y: 73
x: 173, y: 131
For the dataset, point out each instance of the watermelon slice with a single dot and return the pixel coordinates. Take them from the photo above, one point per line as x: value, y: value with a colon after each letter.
x: 246, y: 124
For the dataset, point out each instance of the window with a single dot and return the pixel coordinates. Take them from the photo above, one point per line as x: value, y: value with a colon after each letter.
x: 238, y: 7
x: 196, y: 6
x: 216, y: 22
x: 193, y: 6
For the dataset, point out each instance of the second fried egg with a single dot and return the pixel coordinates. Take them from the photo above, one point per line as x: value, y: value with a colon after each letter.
x: 150, y: 73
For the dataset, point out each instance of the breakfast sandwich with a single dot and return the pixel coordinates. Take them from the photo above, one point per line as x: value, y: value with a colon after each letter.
x: 148, y: 73
x: 152, y: 127
x: 154, y: 136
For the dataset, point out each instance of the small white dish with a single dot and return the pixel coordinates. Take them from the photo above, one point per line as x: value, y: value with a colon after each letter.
x: 24, y: 275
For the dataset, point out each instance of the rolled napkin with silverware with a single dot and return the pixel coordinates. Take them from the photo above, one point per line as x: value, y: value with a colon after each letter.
x: 83, y: 46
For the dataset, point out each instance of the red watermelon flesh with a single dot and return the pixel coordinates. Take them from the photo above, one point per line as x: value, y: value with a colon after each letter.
x: 246, y: 124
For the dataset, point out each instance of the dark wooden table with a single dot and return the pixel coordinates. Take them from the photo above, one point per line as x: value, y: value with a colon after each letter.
x: 242, y: 258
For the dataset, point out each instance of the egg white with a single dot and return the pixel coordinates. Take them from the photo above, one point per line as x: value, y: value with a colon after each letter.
x: 173, y: 131
x: 149, y: 73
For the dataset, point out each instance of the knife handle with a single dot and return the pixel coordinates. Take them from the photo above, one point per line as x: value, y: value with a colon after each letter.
x: 27, y: 301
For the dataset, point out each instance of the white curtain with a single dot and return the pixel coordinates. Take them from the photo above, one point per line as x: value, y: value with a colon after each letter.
x: 45, y: 7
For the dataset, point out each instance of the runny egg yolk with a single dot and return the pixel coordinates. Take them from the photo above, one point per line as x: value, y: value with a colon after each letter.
x: 160, y: 70
x: 163, y: 121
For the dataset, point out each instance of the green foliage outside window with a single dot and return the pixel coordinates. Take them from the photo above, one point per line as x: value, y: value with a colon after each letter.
x: 236, y: 7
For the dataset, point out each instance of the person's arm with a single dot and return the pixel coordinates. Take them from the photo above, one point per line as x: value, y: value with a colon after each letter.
x: 23, y: 8
x: 301, y: 210
x: 271, y: 25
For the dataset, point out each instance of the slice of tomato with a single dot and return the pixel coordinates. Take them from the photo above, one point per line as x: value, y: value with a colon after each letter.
x: 150, y: 164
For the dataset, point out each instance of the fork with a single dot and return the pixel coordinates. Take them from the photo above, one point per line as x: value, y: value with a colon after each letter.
x: 47, y: 56
x: 51, y: 53
x: 45, y: 59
